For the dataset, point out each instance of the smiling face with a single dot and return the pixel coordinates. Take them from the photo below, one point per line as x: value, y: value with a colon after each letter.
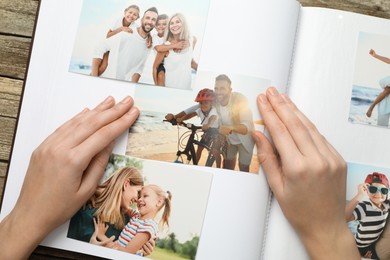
x: 131, y: 15
x: 160, y: 26
x: 378, y: 198
x: 148, y: 202
x: 222, y: 91
x: 149, y: 21
x: 130, y: 194
x: 176, y: 25
x: 205, y: 105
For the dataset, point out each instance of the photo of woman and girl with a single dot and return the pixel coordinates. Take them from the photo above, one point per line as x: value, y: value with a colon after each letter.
x: 125, y: 53
x: 371, y: 216
x: 125, y: 213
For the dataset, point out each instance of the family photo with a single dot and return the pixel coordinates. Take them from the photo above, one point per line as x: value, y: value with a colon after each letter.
x: 370, y: 100
x: 150, y: 42
x: 367, y: 209
x: 144, y: 211
x: 210, y: 126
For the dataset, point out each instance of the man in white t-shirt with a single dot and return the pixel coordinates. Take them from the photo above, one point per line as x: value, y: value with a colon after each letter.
x: 128, y: 52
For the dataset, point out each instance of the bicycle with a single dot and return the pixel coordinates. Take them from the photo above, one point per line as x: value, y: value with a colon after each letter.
x: 189, y: 148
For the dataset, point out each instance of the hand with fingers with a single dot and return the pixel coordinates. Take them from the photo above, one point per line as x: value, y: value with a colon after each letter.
x: 307, y: 177
x: 63, y: 173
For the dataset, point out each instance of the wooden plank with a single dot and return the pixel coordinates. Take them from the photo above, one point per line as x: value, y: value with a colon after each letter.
x: 7, y: 126
x: 377, y: 8
x: 10, y: 92
x: 18, y: 16
x: 14, y: 53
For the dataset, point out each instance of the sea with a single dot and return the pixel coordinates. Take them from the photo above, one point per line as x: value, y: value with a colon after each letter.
x: 149, y: 121
x: 362, y: 97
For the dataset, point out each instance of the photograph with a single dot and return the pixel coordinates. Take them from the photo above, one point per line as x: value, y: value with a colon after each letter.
x: 370, y: 100
x: 209, y: 126
x: 148, y: 208
x: 149, y: 41
x: 367, y: 209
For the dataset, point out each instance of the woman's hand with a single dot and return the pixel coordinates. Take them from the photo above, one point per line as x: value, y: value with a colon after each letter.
x: 307, y: 177
x: 63, y: 173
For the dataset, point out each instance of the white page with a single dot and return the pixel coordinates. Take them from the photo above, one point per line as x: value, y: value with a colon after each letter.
x: 321, y: 86
x: 256, y: 39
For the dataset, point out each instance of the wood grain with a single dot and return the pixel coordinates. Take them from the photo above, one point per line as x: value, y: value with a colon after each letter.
x: 16, y: 28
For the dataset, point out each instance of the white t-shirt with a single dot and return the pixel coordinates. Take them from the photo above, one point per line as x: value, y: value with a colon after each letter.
x: 204, y: 119
x: 128, y: 53
x: 226, y: 119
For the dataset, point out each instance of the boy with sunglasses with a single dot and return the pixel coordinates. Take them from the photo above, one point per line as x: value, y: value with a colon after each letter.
x: 371, y: 214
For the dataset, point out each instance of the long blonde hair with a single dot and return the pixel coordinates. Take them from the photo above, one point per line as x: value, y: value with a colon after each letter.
x: 185, y: 33
x: 166, y: 197
x: 108, y: 195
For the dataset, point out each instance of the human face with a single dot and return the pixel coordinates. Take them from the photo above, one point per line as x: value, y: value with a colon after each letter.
x: 148, y: 202
x: 149, y: 21
x: 160, y: 26
x: 130, y: 194
x: 205, y: 105
x: 175, y: 26
x: 131, y: 15
x: 222, y: 91
x: 378, y: 198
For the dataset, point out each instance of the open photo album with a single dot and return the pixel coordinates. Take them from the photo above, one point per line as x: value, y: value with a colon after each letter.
x: 186, y: 174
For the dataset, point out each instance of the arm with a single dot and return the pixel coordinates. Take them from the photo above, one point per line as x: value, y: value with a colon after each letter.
x: 64, y: 163
x: 136, y: 243
x: 379, y: 57
x: 185, y: 117
x: 180, y: 45
x: 159, y: 58
x: 211, y: 120
x: 118, y: 30
x: 362, y: 189
x: 305, y: 166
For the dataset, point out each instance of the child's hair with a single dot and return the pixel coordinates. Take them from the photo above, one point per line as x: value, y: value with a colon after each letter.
x: 167, y: 198
x: 108, y: 195
x: 377, y: 177
x: 161, y: 17
x: 185, y: 33
x: 134, y: 7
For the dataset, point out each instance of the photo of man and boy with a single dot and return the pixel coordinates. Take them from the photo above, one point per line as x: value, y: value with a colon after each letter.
x: 367, y: 210
x: 148, y: 41
x: 370, y: 100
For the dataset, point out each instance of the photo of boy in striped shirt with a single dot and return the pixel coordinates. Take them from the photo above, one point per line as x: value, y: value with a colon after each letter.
x: 371, y: 214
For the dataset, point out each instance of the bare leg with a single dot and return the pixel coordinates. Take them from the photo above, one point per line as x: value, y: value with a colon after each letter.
x: 95, y: 66
x: 244, y: 168
x: 161, y: 78
x: 104, y: 63
x: 379, y: 98
x: 199, y: 153
x: 217, y: 156
x: 229, y: 164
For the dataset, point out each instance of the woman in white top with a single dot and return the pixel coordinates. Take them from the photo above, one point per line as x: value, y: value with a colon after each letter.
x: 178, y: 63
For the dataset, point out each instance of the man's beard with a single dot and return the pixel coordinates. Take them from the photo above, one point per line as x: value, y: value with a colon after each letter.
x: 144, y: 29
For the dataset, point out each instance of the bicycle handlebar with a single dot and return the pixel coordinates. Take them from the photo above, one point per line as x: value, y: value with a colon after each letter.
x: 190, y: 126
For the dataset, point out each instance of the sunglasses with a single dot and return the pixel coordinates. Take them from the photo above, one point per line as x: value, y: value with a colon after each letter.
x: 374, y: 189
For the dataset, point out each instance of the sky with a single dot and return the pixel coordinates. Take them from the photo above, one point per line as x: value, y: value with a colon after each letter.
x: 357, y: 173
x: 97, y: 15
x: 369, y: 70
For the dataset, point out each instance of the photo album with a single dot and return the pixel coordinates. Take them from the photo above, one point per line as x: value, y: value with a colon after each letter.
x: 186, y: 174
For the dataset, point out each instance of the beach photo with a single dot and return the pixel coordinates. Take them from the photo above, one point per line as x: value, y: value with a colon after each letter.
x: 370, y: 100
x: 367, y: 209
x: 209, y: 126
x: 138, y: 201
x: 149, y: 41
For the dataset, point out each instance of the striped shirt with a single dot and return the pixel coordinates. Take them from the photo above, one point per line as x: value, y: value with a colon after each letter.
x: 137, y: 225
x: 372, y: 221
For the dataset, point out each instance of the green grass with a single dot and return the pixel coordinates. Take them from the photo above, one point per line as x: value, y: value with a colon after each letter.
x: 162, y: 254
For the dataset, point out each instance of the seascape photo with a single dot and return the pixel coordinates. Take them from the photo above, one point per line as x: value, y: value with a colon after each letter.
x: 210, y: 126
x: 367, y: 209
x: 139, y: 200
x: 370, y: 100
x: 149, y: 41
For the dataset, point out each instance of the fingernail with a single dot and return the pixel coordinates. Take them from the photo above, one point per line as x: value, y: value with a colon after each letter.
x: 134, y: 111
x: 262, y: 98
x: 273, y: 91
x: 108, y: 100
x: 126, y: 100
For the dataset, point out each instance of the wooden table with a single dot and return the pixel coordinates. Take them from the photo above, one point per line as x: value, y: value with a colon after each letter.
x: 16, y: 28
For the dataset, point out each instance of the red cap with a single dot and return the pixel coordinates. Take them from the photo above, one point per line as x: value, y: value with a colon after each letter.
x: 377, y: 177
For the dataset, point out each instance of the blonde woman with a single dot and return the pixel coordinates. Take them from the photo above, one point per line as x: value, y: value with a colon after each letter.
x: 178, y: 63
x: 110, y: 203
